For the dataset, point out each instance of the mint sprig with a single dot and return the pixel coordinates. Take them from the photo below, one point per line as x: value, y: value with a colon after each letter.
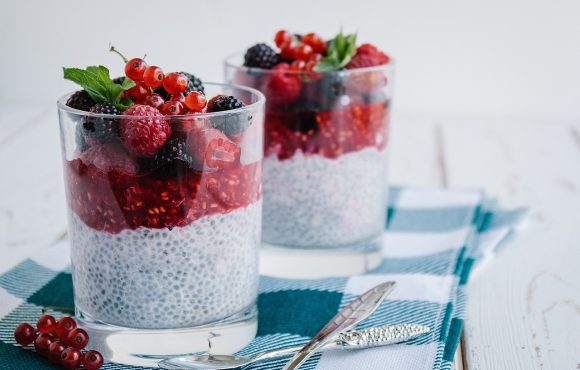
x: 98, y: 84
x: 339, y: 52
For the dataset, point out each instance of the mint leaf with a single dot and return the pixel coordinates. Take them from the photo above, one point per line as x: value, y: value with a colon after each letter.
x: 340, y: 51
x: 98, y: 84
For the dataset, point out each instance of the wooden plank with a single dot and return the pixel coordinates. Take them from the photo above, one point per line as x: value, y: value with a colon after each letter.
x: 524, y: 309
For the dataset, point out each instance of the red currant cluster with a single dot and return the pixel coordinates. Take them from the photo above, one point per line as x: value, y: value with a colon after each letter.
x: 305, y: 52
x: 61, y: 341
x: 148, y: 78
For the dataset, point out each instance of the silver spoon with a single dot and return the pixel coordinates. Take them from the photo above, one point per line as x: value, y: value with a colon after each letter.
x: 352, y: 339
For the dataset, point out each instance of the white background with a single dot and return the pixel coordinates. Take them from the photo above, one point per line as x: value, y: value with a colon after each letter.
x: 493, y: 58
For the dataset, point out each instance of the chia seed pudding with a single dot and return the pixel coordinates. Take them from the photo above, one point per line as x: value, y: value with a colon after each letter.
x: 326, y: 136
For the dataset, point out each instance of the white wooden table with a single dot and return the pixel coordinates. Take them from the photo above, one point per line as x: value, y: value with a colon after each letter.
x: 524, y: 308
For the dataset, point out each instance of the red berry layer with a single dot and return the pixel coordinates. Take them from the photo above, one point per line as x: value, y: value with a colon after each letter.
x: 116, y: 200
x: 329, y: 134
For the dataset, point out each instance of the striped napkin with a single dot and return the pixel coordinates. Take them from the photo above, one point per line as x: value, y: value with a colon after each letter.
x: 434, y: 240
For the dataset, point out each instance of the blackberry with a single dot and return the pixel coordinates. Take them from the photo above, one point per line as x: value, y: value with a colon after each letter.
x: 101, y: 128
x: 228, y: 124
x: 261, y: 56
x: 119, y: 80
x: 193, y: 84
x: 80, y: 100
x: 175, y: 149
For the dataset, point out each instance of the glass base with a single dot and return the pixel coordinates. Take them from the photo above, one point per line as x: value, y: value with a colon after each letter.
x: 146, y: 347
x: 310, y: 263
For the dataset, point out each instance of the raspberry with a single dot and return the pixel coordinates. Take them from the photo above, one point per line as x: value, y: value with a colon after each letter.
x: 109, y: 157
x: 101, y: 128
x: 174, y: 149
x: 212, y: 150
x: 367, y: 55
x: 145, y: 133
x: 193, y: 84
x: 80, y: 100
x: 261, y: 56
x: 283, y: 87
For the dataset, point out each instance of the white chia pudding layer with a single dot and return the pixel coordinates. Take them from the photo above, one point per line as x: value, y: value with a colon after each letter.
x: 161, y: 278
x: 312, y: 201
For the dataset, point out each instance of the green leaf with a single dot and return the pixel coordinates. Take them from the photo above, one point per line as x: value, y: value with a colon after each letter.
x: 98, y: 84
x: 340, y: 51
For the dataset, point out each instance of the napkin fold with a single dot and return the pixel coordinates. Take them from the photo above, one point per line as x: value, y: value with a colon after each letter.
x: 434, y: 241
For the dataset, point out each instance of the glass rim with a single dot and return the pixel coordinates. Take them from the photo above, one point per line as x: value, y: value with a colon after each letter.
x: 227, y: 62
x: 61, y: 104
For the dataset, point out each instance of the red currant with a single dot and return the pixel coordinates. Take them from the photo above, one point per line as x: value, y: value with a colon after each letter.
x: 282, y: 37
x: 175, y: 83
x: 195, y: 101
x: 315, y: 41
x: 55, y: 350
x: 288, y: 50
x: 46, y: 324
x: 303, y: 52
x: 316, y: 57
x: 70, y: 358
x: 135, y: 68
x: 138, y: 92
x: 297, y: 65
x: 93, y: 360
x: 172, y: 108
x: 42, y: 342
x: 77, y: 338
x: 178, y: 97
x: 64, y: 326
x: 24, y: 334
x: 154, y: 100
x: 153, y: 77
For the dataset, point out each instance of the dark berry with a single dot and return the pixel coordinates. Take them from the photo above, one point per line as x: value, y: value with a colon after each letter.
x: 70, y: 358
x: 24, y: 334
x: 175, y: 83
x: 229, y: 124
x: 77, y: 338
x: 119, y: 80
x: 153, y: 77
x: 46, y: 324
x: 42, y: 342
x: 101, y: 129
x: 261, y: 56
x: 64, y: 326
x: 92, y: 360
x: 80, y: 100
x: 144, y: 133
x: 135, y: 68
x: 174, y: 149
x: 55, y: 351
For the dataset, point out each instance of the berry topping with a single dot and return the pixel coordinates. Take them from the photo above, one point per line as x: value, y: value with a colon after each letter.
x: 175, y: 83
x: 172, y: 108
x: 193, y: 84
x: 154, y: 100
x: 220, y: 103
x: 261, y: 56
x: 46, y: 324
x: 303, y: 52
x: 64, y: 326
x: 153, y: 77
x: 42, y: 342
x: 283, y: 87
x: 70, y: 358
x: 282, y: 37
x: 80, y: 100
x: 108, y: 157
x: 288, y: 50
x: 101, y: 128
x: 367, y: 55
x: 174, y: 149
x: 135, y: 68
x: 92, y: 360
x: 77, y: 338
x: 138, y: 92
x: 195, y: 101
x: 146, y: 132
x: 228, y: 124
x: 212, y: 150
x: 55, y: 351
x: 315, y: 41
x: 178, y: 97
x: 24, y: 334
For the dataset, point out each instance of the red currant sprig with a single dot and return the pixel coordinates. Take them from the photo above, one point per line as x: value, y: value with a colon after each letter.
x: 60, y: 341
x: 309, y: 49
